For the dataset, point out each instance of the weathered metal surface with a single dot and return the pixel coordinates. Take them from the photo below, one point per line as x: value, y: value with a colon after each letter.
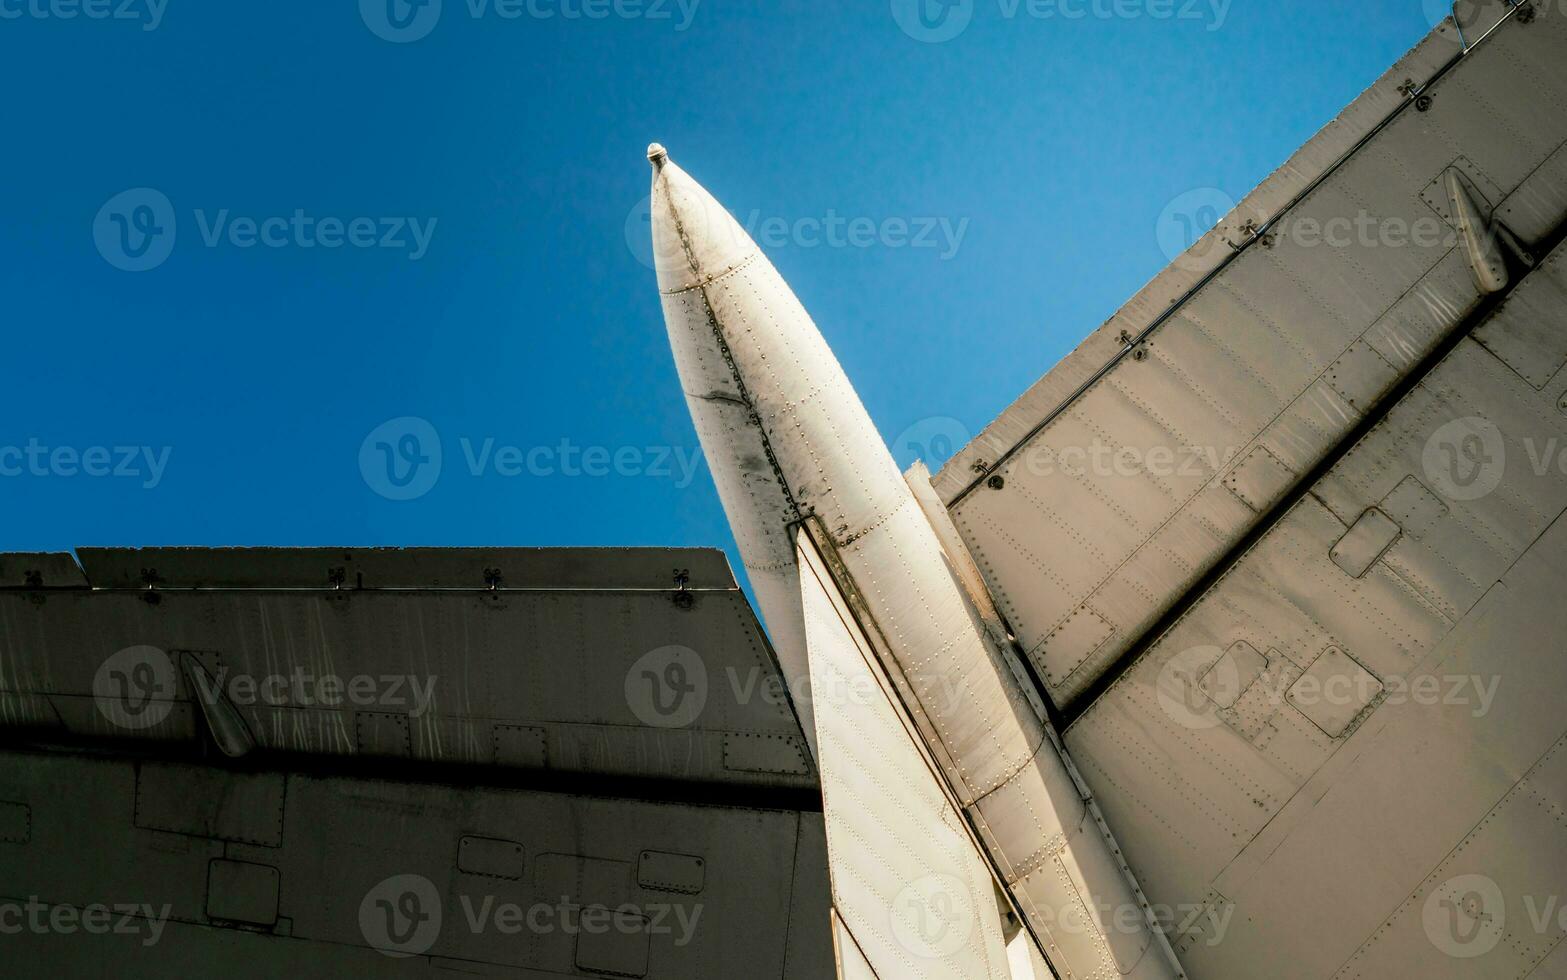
x: 613, y: 680
x: 790, y: 440
x: 1139, y: 485
x: 383, y: 878
x: 549, y: 569
x: 1385, y: 796
x: 909, y: 887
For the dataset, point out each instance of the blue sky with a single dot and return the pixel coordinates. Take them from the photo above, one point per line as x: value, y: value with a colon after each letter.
x: 239, y: 240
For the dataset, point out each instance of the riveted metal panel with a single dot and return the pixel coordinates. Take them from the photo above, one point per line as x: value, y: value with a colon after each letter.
x: 908, y: 882
x: 599, y: 681
x: 1364, y: 543
x: 240, y: 891
x: 666, y: 872
x: 491, y: 856
x: 374, y: 850
x: 405, y: 568
x: 201, y: 802
x: 1531, y: 334
x: 53, y: 570
x: 1267, y: 367
x: 16, y: 823
x: 1397, y: 717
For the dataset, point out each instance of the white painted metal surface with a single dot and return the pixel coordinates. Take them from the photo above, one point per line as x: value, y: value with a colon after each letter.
x: 911, y: 896
x: 1129, y: 495
x: 1358, y: 803
x: 789, y: 439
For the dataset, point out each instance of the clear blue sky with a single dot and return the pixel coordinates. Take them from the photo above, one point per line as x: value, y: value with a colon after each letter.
x: 254, y: 375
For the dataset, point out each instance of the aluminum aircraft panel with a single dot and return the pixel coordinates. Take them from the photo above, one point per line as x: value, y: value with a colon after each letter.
x: 567, y: 678
x: 912, y: 898
x: 1352, y: 746
x: 1312, y: 667
x: 1235, y: 373
x: 547, y: 810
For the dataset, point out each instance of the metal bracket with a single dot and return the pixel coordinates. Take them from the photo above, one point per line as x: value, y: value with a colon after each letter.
x: 1137, y: 348
x: 149, y: 577
x: 683, y: 598
x: 1521, y: 8
x: 1255, y: 233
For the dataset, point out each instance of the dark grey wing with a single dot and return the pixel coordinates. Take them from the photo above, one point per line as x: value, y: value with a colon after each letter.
x: 531, y: 763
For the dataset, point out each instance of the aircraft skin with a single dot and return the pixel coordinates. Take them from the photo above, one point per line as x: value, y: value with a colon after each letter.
x: 1229, y: 670
x: 790, y: 440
